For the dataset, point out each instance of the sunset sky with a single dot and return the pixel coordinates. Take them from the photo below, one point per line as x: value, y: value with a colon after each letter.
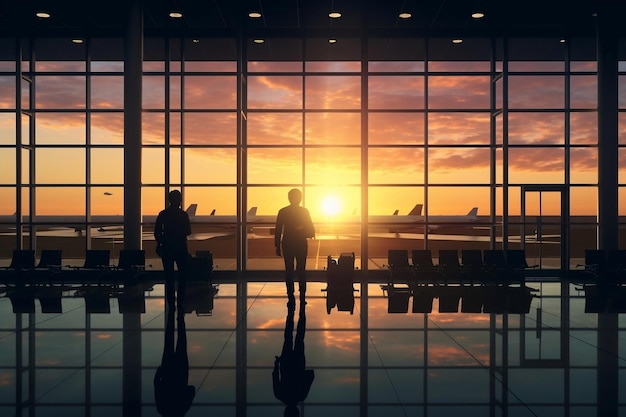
x: 321, y: 111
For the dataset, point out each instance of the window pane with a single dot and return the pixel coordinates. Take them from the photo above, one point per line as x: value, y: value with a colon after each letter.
x: 333, y: 92
x: 210, y: 166
x: 60, y: 201
x: 60, y: 166
x: 210, y: 128
x: 584, y: 128
x: 153, y: 92
x: 152, y: 128
x: 396, y: 92
x: 332, y: 66
x: 538, y: 128
x: 386, y: 200
x: 584, y: 166
x: 275, y: 92
x: 107, y: 92
x: 7, y: 129
x: 221, y: 199
x: 457, y: 200
x: 332, y: 128
x: 274, y: 128
x: 107, y: 201
x: 153, y: 166
x: 584, y: 92
x: 396, y: 166
x: 7, y: 202
x: 7, y: 92
x: 459, y: 128
x: 107, y: 166
x: 334, y: 166
x: 107, y: 128
x: 274, y: 165
x: 7, y: 167
x: 60, y: 92
x: 346, y: 199
x: 536, y: 92
x: 60, y: 128
x: 536, y: 165
x: 274, y: 66
x: 458, y: 92
x: 458, y: 165
x: 396, y: 128
x: 210, y: 92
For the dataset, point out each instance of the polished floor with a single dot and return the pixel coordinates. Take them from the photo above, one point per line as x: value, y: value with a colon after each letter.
x: 558, y: 359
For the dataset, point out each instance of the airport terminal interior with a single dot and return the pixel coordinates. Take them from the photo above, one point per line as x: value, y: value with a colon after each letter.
x: 462, y: 162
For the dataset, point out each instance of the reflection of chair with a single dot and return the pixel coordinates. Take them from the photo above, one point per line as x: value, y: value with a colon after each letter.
x: 199, y: 297
x: 472, y: 299
x: 22, y: 300
x: 449, y: 297
x: 132, y: 299
x: 339, y: 277
x: 96, y: 298
x: 398, y: 300
x: 520, y: 299
x: 50, y: 299
x: 423, y: 299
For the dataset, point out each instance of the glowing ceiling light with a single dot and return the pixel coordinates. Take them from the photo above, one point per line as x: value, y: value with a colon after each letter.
x: 78, y: 41
x: 405, y: 15
x: 332, y: 41
x: 176, y: 15
x: 42, y: 15
x: 196, y: 41
x: 254, y: 15
x: 457, y: 40
x: 334, y: 15
x: 259, y: 41
x: 478, y: 15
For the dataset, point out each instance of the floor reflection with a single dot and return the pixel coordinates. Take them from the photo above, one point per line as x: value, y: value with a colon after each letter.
x: 558, y: 357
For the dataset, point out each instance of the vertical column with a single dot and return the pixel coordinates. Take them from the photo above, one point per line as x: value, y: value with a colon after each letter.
x: 133, y: 56
x: 607, y: 45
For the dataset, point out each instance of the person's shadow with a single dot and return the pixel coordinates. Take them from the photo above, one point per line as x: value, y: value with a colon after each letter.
x: 291, y: 380
x: 172, y: 394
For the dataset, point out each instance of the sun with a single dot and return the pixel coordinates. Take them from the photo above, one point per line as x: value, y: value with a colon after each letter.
x: 330, y: 205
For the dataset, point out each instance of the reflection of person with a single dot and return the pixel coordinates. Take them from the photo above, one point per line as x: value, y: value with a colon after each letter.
x: 170, y: 231
x: 291, y: 380
x: 293, y: 227
x: 172, y: 394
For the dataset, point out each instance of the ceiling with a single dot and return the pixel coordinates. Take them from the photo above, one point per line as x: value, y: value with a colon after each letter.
x: 281, y: 20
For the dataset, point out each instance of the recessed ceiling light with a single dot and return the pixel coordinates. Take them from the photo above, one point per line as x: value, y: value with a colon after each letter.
x: 77, y: 40
x: 334, y: 15
x: 196, y: 41
x: 259, y: 41
x: 405, y: 15
x: 254, y: 15
x: 562, y: 40
x: 42, y: 15
x: 457, y: 40
x: 176, y: 15
x: 332, y: 41
x: 478, y: 15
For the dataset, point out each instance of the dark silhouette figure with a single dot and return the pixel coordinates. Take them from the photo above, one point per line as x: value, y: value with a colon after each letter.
x: 172, y: 394
x: 293, y: 227
x: 291, y: 380
x: 170, y: 232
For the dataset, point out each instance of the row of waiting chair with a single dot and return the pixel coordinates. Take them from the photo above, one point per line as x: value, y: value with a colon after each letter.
x: 473, y: 265
x: 24, y: 259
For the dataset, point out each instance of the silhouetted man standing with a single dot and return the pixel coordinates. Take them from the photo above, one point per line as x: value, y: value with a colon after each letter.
x: 170, y: 231
x: 293, y: 227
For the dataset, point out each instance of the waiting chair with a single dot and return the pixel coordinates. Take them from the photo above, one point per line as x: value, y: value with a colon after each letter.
x: 423, y: 266
x: 472, y: 265
x: 398, y: 265
x: 50, y: 259
x: 449, y: 264
x: 22, y: 259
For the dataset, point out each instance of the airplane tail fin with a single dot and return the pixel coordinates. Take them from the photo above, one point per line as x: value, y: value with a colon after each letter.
x: 252, y: 211
x: 395, y: 213
x: 417, y: 210
x: 191, y: 210
x: 473, y: 213
x: 212, y: 213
